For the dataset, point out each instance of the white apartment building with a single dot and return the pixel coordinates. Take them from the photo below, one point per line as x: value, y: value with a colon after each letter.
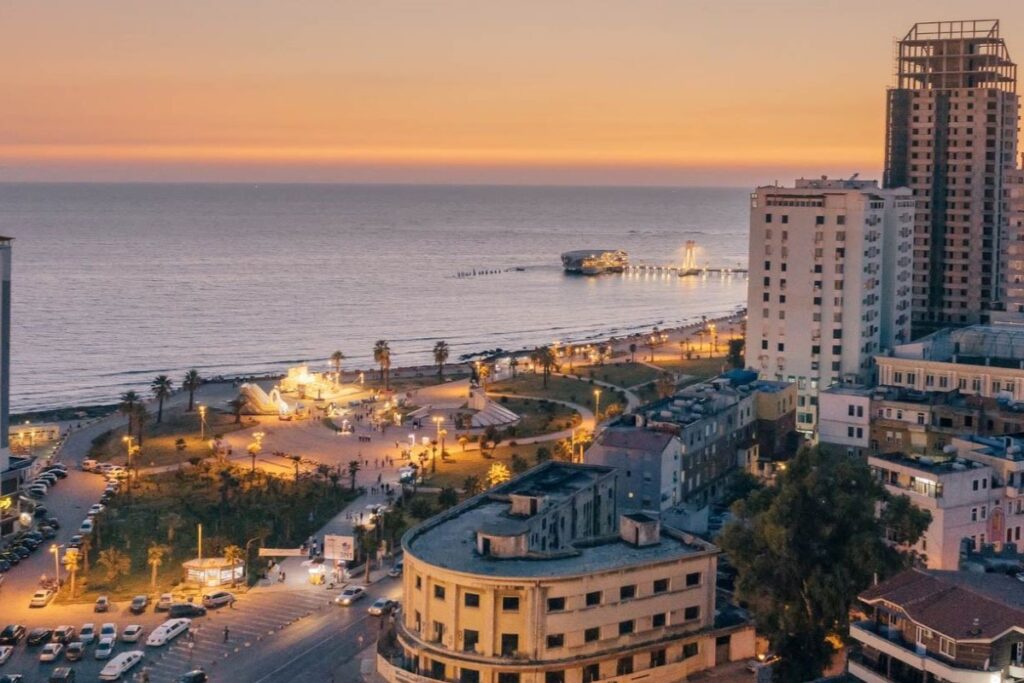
x: 830, y: 283
x: 844, y: 418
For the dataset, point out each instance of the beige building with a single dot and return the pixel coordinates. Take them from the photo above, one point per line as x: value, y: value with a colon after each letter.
x: 830, y: 281
x: 541, y: 580
x: 951, y: 137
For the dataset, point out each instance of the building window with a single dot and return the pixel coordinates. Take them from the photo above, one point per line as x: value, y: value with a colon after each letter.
x: 593, y: 598
x: 556, y: 640
x: 691, y: 613
x: 509, y: 644
x: 556, y: 604
x: 658, y: 658
x: 624, y: 666
x: 591, y: 673
x: 592, y: 634
x: 658, y: 620
x: 690, y: 650
x: 661, y: 586
x: 469, y: 640
x: 947, y: 647
x: 508, y: 677
x: 471, y: 600
x: 439, y: 592
x: 419, y: 583
x: 626, y: 627
x: 554, y: 677
x: 627, y: 592
x: 692, y: 579
x: 469, y: 676
x: 510, y: 604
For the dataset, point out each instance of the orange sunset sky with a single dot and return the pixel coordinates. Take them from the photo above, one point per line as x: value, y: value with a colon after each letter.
x: 732, y: 92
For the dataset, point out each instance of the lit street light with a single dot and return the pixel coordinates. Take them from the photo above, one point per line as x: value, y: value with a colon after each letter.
x: 55, y: 551
x: 202, y: 422
x: 438, y: 420
x: 597, y: 406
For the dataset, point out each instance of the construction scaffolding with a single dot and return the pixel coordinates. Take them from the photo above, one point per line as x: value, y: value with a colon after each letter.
x: 946, y: 55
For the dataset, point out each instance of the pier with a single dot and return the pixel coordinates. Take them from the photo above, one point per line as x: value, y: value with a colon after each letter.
x: 683, y: 271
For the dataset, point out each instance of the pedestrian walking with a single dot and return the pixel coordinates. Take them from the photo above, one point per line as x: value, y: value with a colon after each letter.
x: 227, y: 633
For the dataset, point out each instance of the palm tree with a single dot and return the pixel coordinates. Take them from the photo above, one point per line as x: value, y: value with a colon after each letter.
x: 161, y: 386
x: 233, y: 554
x: 236, y: 407
x: 545, y: 358
x: 632, y: 352
x: 382, y: 356
x: 72, y: 563
x: 368, y: 544
x: 141, y: 418
x: 190, y: 384
x: 173, y: 521
x: 336, y: 359
x: 482, y: 373
x: 154, y: 558
x: 84, y: 552
x: 353, y: 468
x: 115, y: 563
x: 128, y: 401
x: 440, y: 357
x: 514, y: 365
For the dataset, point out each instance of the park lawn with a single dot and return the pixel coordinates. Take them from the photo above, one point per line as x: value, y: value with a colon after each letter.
x: 453, y: 472
x: 418, y: 381
x: 233, y: 507
x: 623, y: 375
x: 699, y: 368
x: 558, y: 388
x: 159, y: 442
x: 539, y: 417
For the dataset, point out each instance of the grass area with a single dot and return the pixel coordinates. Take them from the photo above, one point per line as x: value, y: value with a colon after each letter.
x: 538, y: 417
x: 160, y: 444
x: 418, y: 381
x: 454, y: 471
x: 559, y: 388
x: 623, y: 375
x: 232, y: 504
x: 701, y: 368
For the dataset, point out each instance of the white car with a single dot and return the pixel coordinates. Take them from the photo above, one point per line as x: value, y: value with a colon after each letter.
x: 120, y: 665
x: 86, y: 527
x: 350, y: 595
x: 87, y: 633
x: 41, y: 598
x: 168, y: 631
x: 164, y: 603
x: 95, y: 510
x: 89, y: 465
x: 108, y: 630
x: 381, y: 606
x: 218, y: 599
x: 131, y: 633
x: 50, y: 652
x: 5, y: 652
x: 104, y: 648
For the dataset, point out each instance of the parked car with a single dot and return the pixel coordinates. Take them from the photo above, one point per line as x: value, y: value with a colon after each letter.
x: 164, y: 603
x: 108, y: 630
x: 21, y: 551
x: 186, y: 610
x: 62, y: 674
x: 74, y: 651
x: 50, y: 652
x: 131, y: 633
x: 88, y: 633
x: 138, y: 605
x: 5, y: 652
x: 104, y: 648
x: 95, y: 509
x: 89, y: 465
x: 102, y: 604
x: 53, y: 522
x: 63, y: 634
x: 12, y: 678
x: 218, y: 599
x: 38, y: 636
x: 86, y: 527
x: 40, y: 511
x: 396, y: 571
x: 350, y: 595
x: 381, y: 606
x: 5, y: 565
x: 120, y: 665
x: 75, y: 541
x: 197, y: 676
x: 41, y: 598
x: 48, y: 532
x: 12, y: 634
x: 168, y: 631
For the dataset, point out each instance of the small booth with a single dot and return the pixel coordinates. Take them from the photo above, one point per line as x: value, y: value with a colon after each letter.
x: 211, y: 572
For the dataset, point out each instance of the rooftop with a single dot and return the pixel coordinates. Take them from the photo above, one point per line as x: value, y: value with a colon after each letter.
x: 959, y: 605
x: 986, y: 345
x: 929, y: 465
x: 1005, y: 447
x: 633, y: 438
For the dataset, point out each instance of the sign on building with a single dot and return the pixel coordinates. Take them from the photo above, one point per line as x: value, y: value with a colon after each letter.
x: 339, y: 547
x: 282, y: 552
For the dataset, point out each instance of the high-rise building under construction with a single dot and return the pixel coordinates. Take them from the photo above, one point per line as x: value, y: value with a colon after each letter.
x: 951, y: 137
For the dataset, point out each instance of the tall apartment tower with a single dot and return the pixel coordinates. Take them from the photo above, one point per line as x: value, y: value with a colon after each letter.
x: 951, y: 137
x: 1014, y: 192
x: 5, y: 349
x: 830, y: 283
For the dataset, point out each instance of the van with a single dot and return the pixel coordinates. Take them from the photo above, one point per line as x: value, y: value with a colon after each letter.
x: 168, y: 631
x: 120, y: 665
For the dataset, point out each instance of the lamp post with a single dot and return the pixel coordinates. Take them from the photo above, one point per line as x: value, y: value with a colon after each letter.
x: 257, y: 447
x: 597, y: 406
x: 130, y: 450
x: 202, y: 422
x: 714, y: 338
x: 55, y: 551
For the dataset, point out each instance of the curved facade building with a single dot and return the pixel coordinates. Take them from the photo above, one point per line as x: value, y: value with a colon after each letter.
x: 540, y: 580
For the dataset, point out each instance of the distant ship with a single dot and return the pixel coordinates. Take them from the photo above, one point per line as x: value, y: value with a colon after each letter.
x: 595, y: 261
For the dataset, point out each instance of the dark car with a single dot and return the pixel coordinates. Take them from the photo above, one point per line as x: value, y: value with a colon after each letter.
x: 12, y: 678
x: 11, y: 557
x: 40, y: 511
x: 4, y: 566
x: 53, y: 522
x: 12, y: 634
x: 62, y: 674
x: 186, y: 610
x: 48, y: 531
x: 21, y: 551
x: 197, y: 676
x: 61, y: 473
x: 138, y: 605
x: 38, y: 636
x: 74, y: 651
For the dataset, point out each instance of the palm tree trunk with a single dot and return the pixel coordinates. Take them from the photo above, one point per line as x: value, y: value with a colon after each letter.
x: 191, y: 396
x: 160, y: 410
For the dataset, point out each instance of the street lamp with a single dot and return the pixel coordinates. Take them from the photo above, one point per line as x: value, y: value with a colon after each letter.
x: 202, y: 422
x: 55, y: 550
x: 597, y: 405
x: 438, y: 420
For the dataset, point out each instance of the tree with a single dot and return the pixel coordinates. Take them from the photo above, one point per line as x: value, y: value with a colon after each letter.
x: 735, y: 355
x: 543, y: 454
x: 805, y: 548
x: 519, y: 464
x: 632, y: 352
x: 740, y: 486
x: 366, y: 541
x: 440, y: 357
x: 447, y: 497
x: 665, y: 384
x: 353, y: 468
x: 141, y: 416
x: 463, y: 440
x: 161, y: 387
x: 513, y: 365
x: 420, y: 508
x: 650, y: 343
x: 382, y: 356
x: 233, y: 555
x: 173, y: 521
x: 84, y: 551
x: 336, y: 359
x: 129, y: 400
x: 471, y: 485
x: 191, y: 384
x: 72, y: 563
x: 154, y: 558
x: 498, y: 474
x: 115, y: 563
x: 483, y: 371
x: 236, y: 405
x: 544, y: 358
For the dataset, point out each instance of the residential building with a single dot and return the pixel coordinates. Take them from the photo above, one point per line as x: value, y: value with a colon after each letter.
x: 1015, y: 247
x: 956, y: 491
x: 937, y: 626
x: 951, y: 137
x: 11, y: 469
x: 542, y: 580
x: 830, y: 282
x: 844, y: 418
x: 649, y: 464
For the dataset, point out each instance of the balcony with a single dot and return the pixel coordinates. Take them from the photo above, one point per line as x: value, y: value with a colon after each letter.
x: 908, y: 662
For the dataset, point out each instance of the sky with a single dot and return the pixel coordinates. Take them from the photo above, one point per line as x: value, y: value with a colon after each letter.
x: 633, y: 92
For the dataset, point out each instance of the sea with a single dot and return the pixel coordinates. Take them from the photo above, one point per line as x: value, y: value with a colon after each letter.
x: 116, y: 283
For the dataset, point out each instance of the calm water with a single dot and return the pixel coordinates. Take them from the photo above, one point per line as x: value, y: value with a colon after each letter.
x: 116, y: 283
